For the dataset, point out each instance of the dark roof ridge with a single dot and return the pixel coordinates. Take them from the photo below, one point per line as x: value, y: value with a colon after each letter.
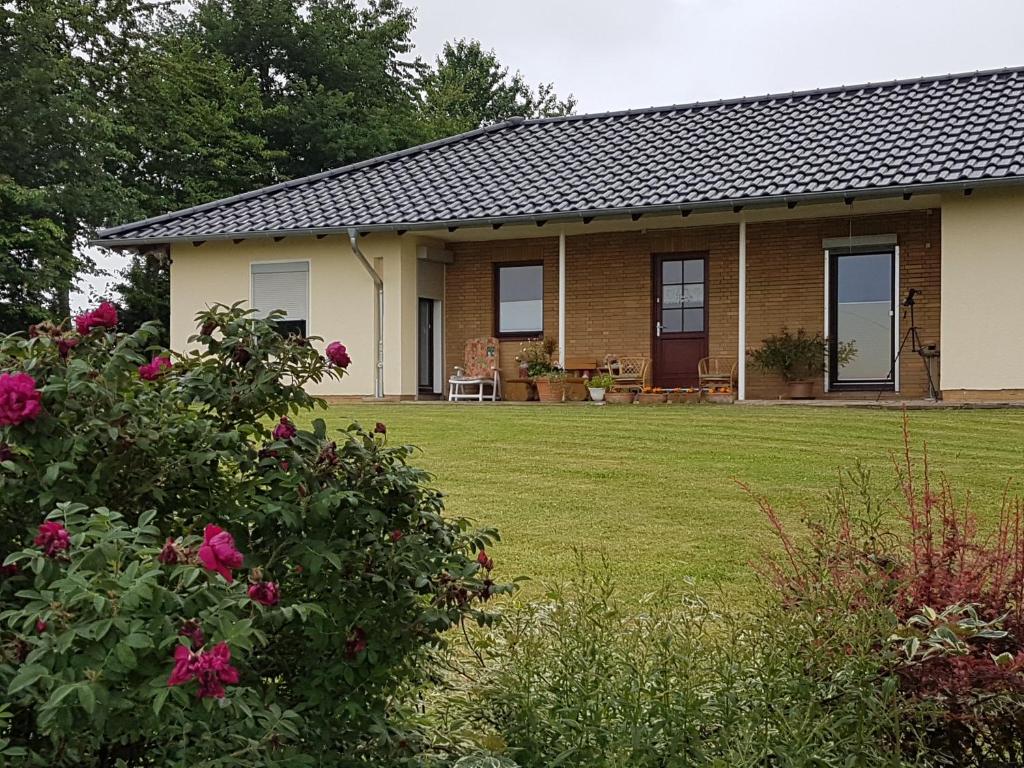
x: 774, y: 96
x: 291, y: 183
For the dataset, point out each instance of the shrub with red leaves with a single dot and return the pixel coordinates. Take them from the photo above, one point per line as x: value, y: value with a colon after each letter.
x: 953, y: 593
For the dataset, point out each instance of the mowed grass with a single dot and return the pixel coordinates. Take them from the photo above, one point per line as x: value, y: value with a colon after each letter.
x: 654, y: 489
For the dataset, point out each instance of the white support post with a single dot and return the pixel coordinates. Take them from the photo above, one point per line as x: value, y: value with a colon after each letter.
x: 741, y: 358
x: 561, y: 299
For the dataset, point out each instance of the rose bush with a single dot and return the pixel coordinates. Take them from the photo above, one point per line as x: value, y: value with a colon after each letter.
x: 190, y: 576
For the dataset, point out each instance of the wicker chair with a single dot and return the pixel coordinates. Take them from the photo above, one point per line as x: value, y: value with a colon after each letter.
x: 630, y: 373
x: 716, y: 372
x: 481, y: 372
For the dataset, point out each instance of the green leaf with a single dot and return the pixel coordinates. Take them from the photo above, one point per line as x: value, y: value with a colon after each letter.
x: 87, y: 698
x: 160, y: 699
x: 61, y: 693
x: 26, y: 676
x: 125, y: 655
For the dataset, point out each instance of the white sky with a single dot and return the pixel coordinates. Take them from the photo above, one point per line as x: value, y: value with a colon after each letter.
x: 617, y: 54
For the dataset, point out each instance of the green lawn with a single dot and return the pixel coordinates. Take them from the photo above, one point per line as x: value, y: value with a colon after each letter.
x: 653, y: 488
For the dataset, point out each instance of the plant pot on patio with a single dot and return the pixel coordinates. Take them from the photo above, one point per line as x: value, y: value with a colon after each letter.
x: 619, y: 398
x: 800, y: 359
x: 575, y: 390
x: 800, y: 390
x: 517, y: 390
x: 549, y: 390
x: 651, y: 398
x: 721, y: 395
x: 691, y: 397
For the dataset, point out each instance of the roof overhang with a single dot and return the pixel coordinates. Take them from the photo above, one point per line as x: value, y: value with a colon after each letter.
x: 541, y: 218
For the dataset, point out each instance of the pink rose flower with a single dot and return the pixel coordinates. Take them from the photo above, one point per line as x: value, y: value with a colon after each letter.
x: 20, y: 401
x: 356, y: 643
x: 396, y: 535
x: 484, y: 560
x: 53, y: 538
x: 41, y: 626
x: 265, y: 593
x: 285, y: 430
x: 211, y: 668
x: 171, y: 554
x: 218, y: 552
x: 104, y: 316
x: 65, y: 345
x: 381, y: 428
x: 7, y: 571
x: 194, y: 632
x: 338, y: 354
x: 152, y: 370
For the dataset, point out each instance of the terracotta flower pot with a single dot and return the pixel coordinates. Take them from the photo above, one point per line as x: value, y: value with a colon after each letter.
x: 575, y: 390
x: 619, y: 398
x: 549, y: 391
x: 800, y: 390
x: 651, y: 398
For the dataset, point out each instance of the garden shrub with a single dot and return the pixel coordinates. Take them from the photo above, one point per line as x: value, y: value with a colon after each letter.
x: 192, y: 577
x: 583, y: 679
x: 949, y: 597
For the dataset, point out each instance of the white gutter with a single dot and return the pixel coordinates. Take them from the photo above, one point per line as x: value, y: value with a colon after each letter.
x: 561, y: 299
x: 741, y: 367
x: 378, y: 310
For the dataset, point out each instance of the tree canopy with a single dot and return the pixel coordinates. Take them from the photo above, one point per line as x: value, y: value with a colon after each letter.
x: 112, y: 110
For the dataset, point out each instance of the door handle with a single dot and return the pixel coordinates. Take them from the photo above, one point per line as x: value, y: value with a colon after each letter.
x: 658, y: 329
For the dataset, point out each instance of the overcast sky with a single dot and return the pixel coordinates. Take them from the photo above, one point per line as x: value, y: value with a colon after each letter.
x: 616, y: 54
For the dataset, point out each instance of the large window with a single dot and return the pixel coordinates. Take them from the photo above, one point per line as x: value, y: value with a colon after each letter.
x: 283, y: 285
x: 519, y: 292
x: 862, y: 317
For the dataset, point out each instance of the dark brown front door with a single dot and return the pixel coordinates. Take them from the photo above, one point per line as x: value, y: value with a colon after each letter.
x: 680, y: 330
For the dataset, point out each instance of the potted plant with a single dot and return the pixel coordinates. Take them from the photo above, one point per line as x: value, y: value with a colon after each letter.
x: 652, y: 396
x: 600, y: 384
x: 619, y: 396
x: 799, y: 358
x: 551, y: 385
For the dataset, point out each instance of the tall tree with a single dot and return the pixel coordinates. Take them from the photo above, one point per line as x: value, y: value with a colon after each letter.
x: 32, y: 259
x: 469, y: 87
x: 60, y: 61
x: 334, y: 77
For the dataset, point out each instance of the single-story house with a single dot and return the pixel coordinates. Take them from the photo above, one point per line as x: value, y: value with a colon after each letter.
x: 672, y: 232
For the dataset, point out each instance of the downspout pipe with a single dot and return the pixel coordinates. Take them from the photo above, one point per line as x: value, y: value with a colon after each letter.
x: 378, y: 311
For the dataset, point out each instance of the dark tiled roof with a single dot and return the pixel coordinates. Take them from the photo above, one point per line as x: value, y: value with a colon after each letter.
x: 911, y: 134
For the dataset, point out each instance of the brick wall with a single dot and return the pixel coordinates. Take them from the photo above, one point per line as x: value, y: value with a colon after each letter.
x: 786, y: 285
x: 608, y: 294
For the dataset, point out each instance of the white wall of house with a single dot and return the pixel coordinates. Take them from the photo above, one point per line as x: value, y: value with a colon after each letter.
x: 983, y: 291
x: 340, y: 298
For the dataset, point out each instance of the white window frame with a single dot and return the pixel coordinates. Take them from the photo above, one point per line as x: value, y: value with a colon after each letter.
x: 278, y: 262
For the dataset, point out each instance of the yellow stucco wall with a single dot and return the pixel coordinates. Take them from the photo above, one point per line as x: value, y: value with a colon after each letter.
x: 982, y: 287
x: 340, y: 297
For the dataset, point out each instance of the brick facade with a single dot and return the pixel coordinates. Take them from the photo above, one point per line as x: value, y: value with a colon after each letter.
x: 608, y: 293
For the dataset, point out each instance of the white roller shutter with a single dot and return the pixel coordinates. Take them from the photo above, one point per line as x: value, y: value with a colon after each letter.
x: 281, y: 285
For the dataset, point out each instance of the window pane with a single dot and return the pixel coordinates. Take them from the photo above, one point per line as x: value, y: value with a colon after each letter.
x: 693, y: 295
x: 693, y: 320
x: 521, y: 299
x: 672, y: 320
x: 864, y: 315
x: 672, y: 296
x: 671, y: 271
x: 693, y: 271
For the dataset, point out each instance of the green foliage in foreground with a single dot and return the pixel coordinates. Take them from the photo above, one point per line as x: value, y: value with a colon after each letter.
x: 134, y: 631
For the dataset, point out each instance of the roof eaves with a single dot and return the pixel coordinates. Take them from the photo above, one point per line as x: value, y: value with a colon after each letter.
x: 706, y: 206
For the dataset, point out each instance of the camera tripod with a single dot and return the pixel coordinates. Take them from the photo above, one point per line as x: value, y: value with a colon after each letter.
x: 914, y: 337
